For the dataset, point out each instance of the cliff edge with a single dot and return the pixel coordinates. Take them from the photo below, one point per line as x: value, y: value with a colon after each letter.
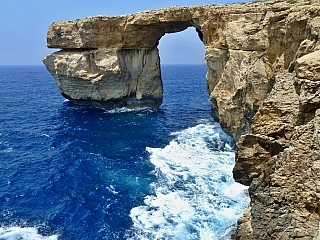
x: 264, y: 84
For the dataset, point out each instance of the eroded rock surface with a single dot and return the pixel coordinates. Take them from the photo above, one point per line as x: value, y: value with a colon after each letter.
x: 264, y: 84
x: 108, y: 77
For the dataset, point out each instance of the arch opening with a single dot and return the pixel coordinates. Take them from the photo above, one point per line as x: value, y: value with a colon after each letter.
x: 184, y: 75
x: 182, y: 47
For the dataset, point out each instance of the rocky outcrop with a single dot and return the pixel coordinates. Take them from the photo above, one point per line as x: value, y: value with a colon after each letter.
x: 107, y: 77
x: 264, y: 84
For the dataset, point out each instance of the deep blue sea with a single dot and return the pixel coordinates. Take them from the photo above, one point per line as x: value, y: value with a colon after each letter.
x: 77, y: 172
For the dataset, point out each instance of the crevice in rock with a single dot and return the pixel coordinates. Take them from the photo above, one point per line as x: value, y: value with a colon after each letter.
x: 77, y: 49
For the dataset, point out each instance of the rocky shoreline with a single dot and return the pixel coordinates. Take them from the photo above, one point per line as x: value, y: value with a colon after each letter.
x: 264, y: 83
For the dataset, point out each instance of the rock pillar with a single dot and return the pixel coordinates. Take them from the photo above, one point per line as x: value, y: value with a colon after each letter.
x: 108, y: 77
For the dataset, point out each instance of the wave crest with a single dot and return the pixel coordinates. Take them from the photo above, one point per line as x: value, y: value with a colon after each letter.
x: 14, y: 233
x: 195, y: 196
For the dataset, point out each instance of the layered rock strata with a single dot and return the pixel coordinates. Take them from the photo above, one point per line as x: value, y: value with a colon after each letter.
x: 264, y: 84
x: 108, y: 77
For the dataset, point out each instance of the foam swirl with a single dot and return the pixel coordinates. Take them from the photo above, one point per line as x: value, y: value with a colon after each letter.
x: 195, y: 196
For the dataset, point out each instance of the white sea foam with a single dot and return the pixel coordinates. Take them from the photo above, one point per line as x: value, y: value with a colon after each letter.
x: 126, y: 110
x: 28, y: 233
x: 195, y: 196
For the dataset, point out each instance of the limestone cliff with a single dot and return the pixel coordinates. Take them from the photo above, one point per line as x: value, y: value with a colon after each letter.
x: 264, y: 84
x: 107, y: 77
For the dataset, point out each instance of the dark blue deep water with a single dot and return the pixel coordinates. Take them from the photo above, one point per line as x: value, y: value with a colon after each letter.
x: 78, y: 172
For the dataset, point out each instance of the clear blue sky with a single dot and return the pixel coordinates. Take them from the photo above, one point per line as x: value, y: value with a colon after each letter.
x: 24, y: 24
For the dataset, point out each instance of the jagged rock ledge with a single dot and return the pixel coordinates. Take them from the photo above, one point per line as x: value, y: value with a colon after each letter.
x: 264, y: 84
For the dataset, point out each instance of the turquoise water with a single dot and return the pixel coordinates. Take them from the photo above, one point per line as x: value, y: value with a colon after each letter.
x: 78, y: 172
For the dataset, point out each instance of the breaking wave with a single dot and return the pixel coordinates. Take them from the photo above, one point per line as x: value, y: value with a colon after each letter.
x: 18, y: 233
x: 195, y: 196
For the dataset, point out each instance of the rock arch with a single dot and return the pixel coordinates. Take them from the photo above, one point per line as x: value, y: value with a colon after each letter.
x: 112, y: 61
x: 263, y: 80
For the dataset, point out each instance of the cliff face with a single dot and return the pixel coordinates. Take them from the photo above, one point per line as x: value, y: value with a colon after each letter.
x: 107, y: 77
x: 264, y: 84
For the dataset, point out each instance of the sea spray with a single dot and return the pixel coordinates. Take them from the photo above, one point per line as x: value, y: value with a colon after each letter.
x: 195, y: 196
x: 20, y: 233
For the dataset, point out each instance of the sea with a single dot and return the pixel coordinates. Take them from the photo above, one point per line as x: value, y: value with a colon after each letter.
x: 71, y: 171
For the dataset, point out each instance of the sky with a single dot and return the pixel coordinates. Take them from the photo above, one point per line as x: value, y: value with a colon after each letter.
x: 24, y: 25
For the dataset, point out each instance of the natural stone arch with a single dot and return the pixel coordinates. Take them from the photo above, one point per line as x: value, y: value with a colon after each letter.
x: 262, y: 79
x: 114, y: 61
x: 116, y: 71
